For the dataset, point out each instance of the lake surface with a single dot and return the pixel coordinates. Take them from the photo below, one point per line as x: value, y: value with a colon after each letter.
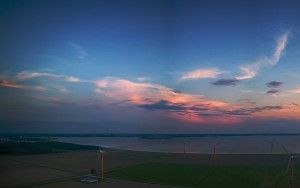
x: 223, y: 144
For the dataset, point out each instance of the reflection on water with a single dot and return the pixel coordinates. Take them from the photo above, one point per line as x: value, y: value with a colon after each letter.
x: 227, y: 144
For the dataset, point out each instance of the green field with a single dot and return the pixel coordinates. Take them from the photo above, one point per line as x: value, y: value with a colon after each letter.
x: 205, y: 176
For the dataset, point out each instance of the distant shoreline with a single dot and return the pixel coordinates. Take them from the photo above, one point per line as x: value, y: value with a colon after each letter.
x: 143, y: 136
x: 159, y: 143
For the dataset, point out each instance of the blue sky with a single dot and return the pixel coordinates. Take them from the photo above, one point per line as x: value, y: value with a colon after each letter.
x: 182, y: 66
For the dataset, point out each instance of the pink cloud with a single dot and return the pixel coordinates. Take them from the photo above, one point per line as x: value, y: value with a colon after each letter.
x: 143, y: 94
x: 201, y: 73
x: 184, y: 106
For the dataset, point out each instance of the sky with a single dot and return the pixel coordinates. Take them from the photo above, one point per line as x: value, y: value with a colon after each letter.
x: 149, y: 66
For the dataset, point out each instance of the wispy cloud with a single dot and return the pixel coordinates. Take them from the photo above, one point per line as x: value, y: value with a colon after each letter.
x: 25, y: 75
x: 82, y: 54
x: 201, y: 73
x: 14, y: 85
x: 17, y: 81
x: 251, y: 70
x: 281, y: 45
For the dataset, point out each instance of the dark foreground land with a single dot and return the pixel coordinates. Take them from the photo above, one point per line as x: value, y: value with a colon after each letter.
x: 63, y: 166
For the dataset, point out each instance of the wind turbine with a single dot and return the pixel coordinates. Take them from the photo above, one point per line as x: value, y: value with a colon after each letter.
x: 290, y: 167
x: 186, y: 147
x: 214, y: 152
x: 271, y: 142
x: 101, y: 163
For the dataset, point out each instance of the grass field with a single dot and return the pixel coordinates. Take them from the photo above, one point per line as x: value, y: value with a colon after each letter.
x: 205, y: 176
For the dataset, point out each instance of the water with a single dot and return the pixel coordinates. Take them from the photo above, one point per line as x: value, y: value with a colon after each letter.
x: 223, y: 144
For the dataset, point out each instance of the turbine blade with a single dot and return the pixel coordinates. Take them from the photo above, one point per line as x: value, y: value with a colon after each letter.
x: 286, y: 151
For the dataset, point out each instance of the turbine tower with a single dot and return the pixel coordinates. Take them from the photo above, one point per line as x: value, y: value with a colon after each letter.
x: 290, y: 167
x: 101, y: 164
x: 214, y: 152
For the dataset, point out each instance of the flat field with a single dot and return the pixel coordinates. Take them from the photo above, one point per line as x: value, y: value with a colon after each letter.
x: 187, y: 175
x: 62, y: 165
